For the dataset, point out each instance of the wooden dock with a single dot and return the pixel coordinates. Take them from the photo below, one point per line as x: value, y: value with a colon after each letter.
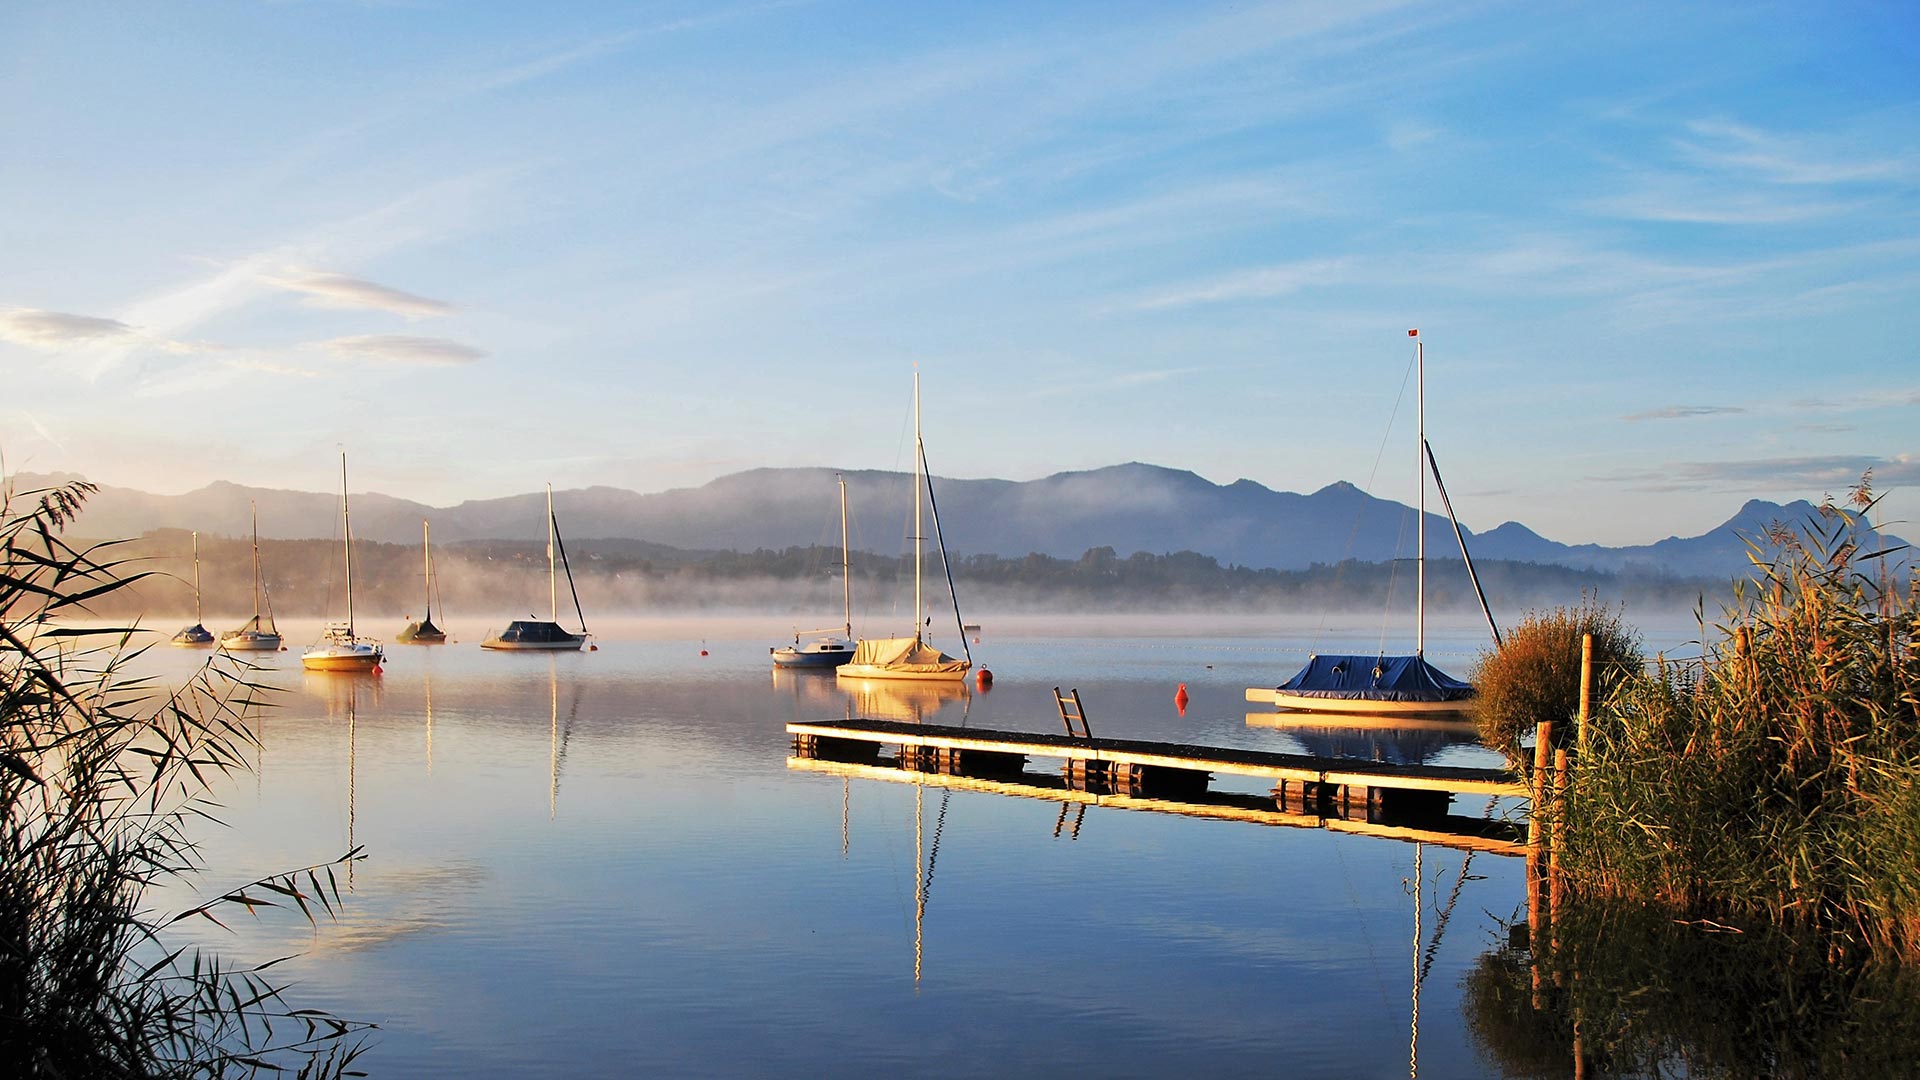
x: 1377, y: 793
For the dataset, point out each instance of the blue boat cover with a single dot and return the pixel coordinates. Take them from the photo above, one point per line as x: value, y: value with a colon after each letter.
x: 1375, y: 678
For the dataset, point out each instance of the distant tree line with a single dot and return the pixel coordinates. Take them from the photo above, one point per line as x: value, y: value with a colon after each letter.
x: 306, y: 578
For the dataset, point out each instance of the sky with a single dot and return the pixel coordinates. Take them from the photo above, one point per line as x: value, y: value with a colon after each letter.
x: 1664, y: 257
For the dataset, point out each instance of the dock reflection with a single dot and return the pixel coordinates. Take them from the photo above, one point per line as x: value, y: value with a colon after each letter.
x: 1454, y: 831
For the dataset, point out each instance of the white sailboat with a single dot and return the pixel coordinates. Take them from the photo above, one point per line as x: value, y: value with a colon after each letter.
x: 548, y: 634
x: 341, y: 649
x: 1383, y: 685
x: 196, y: 636
x: 424, y: 632
x: 912, y: 657
x: 257, y: 634
x: 829, y: 650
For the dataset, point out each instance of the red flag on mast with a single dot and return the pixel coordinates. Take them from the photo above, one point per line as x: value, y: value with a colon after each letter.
x: 1413, y: 333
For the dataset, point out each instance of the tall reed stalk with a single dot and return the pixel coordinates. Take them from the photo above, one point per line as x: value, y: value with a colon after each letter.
x: 101, y: 775
x: 1779, y: 779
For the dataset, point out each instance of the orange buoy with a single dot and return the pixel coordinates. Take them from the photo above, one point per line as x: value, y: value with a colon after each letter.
x: 983, y: 679
x: 593, y: 648
x: 1180, y: 699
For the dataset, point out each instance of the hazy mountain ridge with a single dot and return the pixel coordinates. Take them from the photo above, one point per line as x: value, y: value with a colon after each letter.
x: 1130, y: 507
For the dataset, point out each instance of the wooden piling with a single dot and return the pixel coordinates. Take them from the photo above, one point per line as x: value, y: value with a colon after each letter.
x: 1586, y: 693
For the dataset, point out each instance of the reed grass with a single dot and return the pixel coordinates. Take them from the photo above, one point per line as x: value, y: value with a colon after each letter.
x: 101, y: 775
x: 1777, y: 781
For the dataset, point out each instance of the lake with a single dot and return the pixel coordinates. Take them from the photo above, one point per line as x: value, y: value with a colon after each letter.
x: 602, y: 863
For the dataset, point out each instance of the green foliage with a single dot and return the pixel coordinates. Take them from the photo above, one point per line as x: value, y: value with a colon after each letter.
x: 1534, y: 675
x: 100, y: 774
x: 1779, y: 779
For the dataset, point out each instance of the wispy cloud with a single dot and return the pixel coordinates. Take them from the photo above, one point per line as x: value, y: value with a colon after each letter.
x: 1684, y: 412
x: 1260, y: 283
x: 404, y: 349
x: 1830, y: 472
x: 58, y: 329
x: 1667, y: 199
x: 325, y: 289
x: 1789, y: 159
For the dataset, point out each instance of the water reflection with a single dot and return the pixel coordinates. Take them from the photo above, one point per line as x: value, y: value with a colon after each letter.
x: 901, y: 699
x: 1615, y: 991
x: 558, y: 737
x: 817, y: 690
x: 1388, y: 739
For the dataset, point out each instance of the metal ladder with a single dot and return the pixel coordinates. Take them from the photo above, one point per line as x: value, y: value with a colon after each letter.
x: 1071, y: 710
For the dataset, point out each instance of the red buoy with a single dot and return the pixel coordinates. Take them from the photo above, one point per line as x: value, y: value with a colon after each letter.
x: 1180, y: 699
x: 983, y: 679
x: 703, y: 652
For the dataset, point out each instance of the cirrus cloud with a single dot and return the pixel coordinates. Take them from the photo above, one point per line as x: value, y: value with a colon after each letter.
x: 404, y: 349
x: 331, y: 290
x: 56, y: 329
x: 1685, y: 412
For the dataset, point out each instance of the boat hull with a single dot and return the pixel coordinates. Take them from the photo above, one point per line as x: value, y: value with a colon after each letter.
x: 343, y: 658
x: 796, y: 658
x: 249, y: 642
x: 532, y: 646
x: 1363, y: 706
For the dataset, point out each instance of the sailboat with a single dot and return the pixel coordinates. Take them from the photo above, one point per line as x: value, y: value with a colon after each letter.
x: 257, y: 634
x: 547, y: 634
x: 913, y: 657
x: 341, y: 649
x: 424, y: 632
x: 829, y: 650
x: 1383, y: 685
x: 196, y: 636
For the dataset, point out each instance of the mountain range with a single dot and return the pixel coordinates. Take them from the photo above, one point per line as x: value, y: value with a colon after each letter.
x: 1130, y: 507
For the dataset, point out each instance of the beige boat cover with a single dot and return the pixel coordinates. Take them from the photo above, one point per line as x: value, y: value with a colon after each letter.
x: 904, y: 654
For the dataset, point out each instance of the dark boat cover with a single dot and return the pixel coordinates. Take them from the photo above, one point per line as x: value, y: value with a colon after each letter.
x: 535, y: 632
x: 1375, y: 678
x: 424, y: 630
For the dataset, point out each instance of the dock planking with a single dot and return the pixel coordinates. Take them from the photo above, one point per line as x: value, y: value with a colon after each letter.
x: 1323, y: 773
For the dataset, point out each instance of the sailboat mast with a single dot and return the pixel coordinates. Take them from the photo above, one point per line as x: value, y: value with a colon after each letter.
x: 1420, y: 463
x: 197, y: 618
x: 346, y: 539
x: 553, y: 578
x: 254, y: 511
x: 426, y: 556
x: 846, y: 575
x: 919, y: 479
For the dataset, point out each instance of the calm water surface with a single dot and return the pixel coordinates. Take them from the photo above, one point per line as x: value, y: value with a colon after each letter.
x: 602, y: 863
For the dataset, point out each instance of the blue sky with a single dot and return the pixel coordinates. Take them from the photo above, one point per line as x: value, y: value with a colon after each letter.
x: 1665, y: 257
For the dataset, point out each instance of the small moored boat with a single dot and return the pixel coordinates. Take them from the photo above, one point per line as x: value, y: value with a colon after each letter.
x: 196, y: 636
x: 257, y: 634
x: 1384, y: 685
x: 424, y: 632
x: 548, y: 634
x: 341, y: 649
x: 829, y: 650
